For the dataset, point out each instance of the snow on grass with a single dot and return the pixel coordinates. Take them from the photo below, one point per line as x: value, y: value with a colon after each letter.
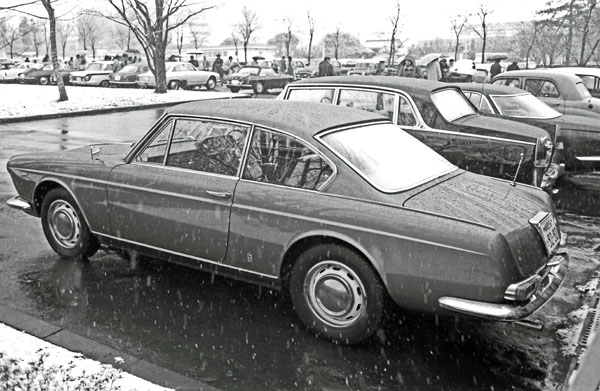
x: 61, y: 367
x: 18, y: 100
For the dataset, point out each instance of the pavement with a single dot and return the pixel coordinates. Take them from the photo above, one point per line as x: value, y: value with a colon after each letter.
x: 43, y: 332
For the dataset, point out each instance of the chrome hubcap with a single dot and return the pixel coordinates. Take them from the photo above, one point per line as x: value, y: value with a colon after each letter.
x: 64, y: 224
x: 335, y: 294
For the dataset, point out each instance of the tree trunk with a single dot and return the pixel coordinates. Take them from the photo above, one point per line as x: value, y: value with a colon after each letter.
x: 246, y: 52
x: 309, y: 47
x: 62, y: 92
x: 160, y: 70
x: 483, y: 46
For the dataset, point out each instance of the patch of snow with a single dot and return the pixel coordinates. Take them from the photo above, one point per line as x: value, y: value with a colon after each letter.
x: 569, y: 336
x: 25, y: 348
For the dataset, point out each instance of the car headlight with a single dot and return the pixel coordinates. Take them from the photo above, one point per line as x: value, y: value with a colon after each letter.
x: 87, y: 78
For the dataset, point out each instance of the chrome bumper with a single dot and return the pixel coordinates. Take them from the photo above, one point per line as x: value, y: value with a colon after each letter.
x: 558, y: 265
x: 21, y: 204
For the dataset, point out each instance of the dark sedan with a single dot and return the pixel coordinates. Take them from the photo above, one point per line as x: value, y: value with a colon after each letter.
x: 127, y: 77
x: 44, y: 75
x: 259, y: 79
x: 339, y: 208
x: 443, y: 118
x: 576, y: 137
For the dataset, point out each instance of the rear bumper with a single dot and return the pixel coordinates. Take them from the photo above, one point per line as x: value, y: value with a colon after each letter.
x: 21, y: 204
x: 553, y: 276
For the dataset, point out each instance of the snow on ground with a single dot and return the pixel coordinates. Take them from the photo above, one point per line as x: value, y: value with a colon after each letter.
x: 18, y: 100
x: 25, y: 348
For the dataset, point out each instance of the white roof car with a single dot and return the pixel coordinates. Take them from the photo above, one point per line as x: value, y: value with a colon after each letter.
x: 95, y: 74
x: 13, y: 73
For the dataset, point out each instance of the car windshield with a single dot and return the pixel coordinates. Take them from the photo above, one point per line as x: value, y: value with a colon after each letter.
x: 582, y: 90
x: 248, y: 71
x: 129, y: 69
x: 95, y: 66
x: 390, y: 159
x: 523, y: 106
x: 452, y: 104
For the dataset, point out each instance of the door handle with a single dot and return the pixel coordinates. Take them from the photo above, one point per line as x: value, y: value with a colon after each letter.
x: 219, y: 194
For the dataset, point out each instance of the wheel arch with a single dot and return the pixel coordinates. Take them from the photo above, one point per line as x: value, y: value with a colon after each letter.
x: 301, y: 244
x: 44, y: 187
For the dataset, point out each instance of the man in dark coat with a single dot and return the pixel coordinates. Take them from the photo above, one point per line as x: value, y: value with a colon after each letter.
x: 325, y: 67
x: 194, y: 62
x: 495, y: 69
x: 513, y: 67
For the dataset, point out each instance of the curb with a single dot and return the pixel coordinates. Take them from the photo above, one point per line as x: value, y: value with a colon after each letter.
x: 107, y: 110
x: 99, y: 352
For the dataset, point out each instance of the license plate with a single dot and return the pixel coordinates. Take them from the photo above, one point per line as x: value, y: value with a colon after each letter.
x: 235, y: 82
x: 545, y: 224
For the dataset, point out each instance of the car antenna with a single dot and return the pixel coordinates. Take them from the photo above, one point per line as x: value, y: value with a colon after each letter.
x: 513, y: 184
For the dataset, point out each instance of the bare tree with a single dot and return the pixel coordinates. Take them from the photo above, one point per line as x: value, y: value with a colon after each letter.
x: 336, y: 41
x: 289, y: 35
x: 394, y: 20
x: 249, y: 24
x: 63, y: 32
x: 36, y: 28
x: 527, y: 37
x: 458, y: 24
x: 122, y: 36
x: 10, y: 35
x: 482, y: 13
x: 152, y: 25
x: 311, y: 33
x: 179, y: 39
x: 89, y: 31
x: 590, y: 18
x: 62, y: 92
x: 198, y: 35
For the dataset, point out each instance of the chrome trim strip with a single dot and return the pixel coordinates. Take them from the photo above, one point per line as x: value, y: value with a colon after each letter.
x: 210, y: 200
x: 63, y: 175
x: 186, y: 255
x: 511, y: 312
x: 352, y: 227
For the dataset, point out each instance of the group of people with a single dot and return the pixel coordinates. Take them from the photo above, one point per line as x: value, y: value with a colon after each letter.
x: 219, y: 66
x: 437, y: 69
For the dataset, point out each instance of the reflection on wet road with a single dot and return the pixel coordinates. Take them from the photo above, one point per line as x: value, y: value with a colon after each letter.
x: 238, y: 336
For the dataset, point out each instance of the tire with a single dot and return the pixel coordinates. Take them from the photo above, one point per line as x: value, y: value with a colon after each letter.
x: 64, y: 226
x: 211, y: 84
x: 234, y: 89
x: 44, y: 80
x: 104, y: 83
x: 259, y: 88
x: 173, y: 85
x: 324, y: 270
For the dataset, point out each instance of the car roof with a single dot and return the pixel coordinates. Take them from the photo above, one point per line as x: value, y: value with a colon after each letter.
x: 414, y: 87
x: 559, y: 76
x: 303, y: 119
x: 576, y: 70
x: 493, y: 89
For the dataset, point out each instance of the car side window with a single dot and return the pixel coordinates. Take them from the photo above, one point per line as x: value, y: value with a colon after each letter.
x: 542, y: 88
x: 268, y: 72
x: 176, y: 68
x: 373, y: 101
x: 512, y: 82
x: 280, y: 159
x: 480, y: 102
x: 406, y: 114
x: 207, y: 146
x: 319, y: 95
x: 154, y: 153
x: 187, y: 67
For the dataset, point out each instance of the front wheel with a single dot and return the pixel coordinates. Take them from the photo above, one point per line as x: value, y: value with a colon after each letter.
x: 104, y: 83
x: 173, y: 85
x: 259, y: 88
x: 337, y: 294
x: 211, y: 84
x: 64, y: 227
x: 44, y: 80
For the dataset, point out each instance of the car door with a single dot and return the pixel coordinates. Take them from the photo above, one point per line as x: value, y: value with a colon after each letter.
x: 175, y: 195
x: 191, y: 75
x: 270, y: 78
x: 546, y: 91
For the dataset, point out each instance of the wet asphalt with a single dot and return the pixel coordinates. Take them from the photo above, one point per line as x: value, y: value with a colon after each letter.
x: 235, y: 336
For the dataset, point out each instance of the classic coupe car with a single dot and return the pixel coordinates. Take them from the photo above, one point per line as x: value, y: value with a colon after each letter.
x: 259, y: 79
x: 576, y: 137
x: 563, y: 92
x: 12, y: 74
x: 127, y: 77
x: 95, y: 74
x: 43, y: 75
x: 339, y: 208
x: 181, y: 75
x: 443, y: 118
x: 313, y: 70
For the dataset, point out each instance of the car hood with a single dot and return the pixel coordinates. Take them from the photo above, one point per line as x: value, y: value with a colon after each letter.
x: 493, y: 203
x: 519, y: 131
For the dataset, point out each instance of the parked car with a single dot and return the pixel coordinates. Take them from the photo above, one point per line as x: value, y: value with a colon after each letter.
x: 365, y: 68
x: 181, y: 75
x: 43, y: 75
x: 12, y: 74
x: 576, y: 137
x: 564, y: 93
x: 313, y: 70
x: 259, y: 79
x: 442, y: 117
x: 339, y: 208
x: 589, y: 76
x: 96, y: 73
x: 466, y: 71
x: 127, y: 76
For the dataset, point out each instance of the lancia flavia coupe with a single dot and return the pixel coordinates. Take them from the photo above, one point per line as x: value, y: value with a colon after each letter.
x: 336, y: 207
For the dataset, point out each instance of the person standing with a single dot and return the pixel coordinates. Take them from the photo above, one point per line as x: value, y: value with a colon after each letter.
x: 194, y: 62
x: 495, y: 69
x: 47, y: 58
x: 290, y: 67
x: 325, y: 67
x: 218, y: 66
x: 82, y: 62
x: 116, y: 64
x: 231, y: 66
x: 283, y: 65
x: 513, y: 67
x: 205, y: 64
x: 434, y: 72
x: 408, y: 68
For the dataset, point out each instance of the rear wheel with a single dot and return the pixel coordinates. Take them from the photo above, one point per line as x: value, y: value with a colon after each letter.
x: 104, y: 83
x: 44, y: 80
x: 211, y: 84
x: 259, y: 88
x: 173, y: 85
x: 336, y: 293
x: 64, y: 227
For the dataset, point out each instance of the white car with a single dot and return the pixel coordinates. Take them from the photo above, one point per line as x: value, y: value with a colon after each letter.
x: 97, y: 73
x: 590, y: 77
x: 181, y: 74
x: 12, y: 74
